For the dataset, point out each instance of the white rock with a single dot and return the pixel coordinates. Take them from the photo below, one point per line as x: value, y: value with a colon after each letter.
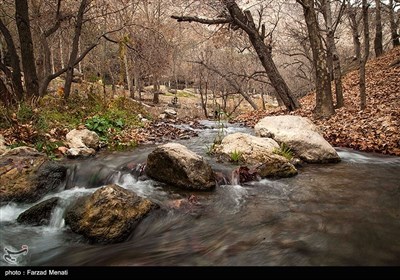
x: 258, y: 152
x: 170, y: 112
x: 252, y: 149
x: 80, y: 152
x: 300, y: 135
x: 83, y: 138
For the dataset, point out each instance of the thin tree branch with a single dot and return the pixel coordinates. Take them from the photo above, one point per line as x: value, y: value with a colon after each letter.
x: 233, y: 83
x: 202, y: 20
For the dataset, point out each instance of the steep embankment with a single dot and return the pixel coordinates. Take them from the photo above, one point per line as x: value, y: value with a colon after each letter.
x: 375, y: 129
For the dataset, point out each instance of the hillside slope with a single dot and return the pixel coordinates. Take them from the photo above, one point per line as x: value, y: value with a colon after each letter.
x: 377, y: 128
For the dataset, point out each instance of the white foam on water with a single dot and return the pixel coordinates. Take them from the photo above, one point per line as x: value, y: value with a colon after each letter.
x: 237, y: 194
x: 67, y: 197
x: 141, y: 188
x: 11, y: 211
x: 357, y: 157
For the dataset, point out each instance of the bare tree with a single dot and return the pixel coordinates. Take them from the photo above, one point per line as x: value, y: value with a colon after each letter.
x: 296, y: 46
x: 333, y: 60
x: 15, y: 74
x: 354, y: 20
x: 394, y: 24
x: 324, y: 102
x: 378, y: 41
x: 231, y: 82
x: 364, y: 59
x: 27, y: 54
x: 75, y: 47
x: 239, y: 19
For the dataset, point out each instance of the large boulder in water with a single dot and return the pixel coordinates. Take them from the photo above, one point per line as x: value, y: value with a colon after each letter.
x: 27, y: 175
x: 176, y: 165
x: 39, y: 214
x: 108, y: 215
x: 256, y: 151
x: 300, y: 135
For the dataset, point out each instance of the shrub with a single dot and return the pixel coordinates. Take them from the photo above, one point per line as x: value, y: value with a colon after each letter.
x: 102, y: 124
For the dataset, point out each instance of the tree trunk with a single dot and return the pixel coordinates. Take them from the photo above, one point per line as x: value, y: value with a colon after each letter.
x: 324, y: 101
x: 46, y: 60
x: 364, y: 59
x: 203, y: 96
x: 128, y: 77
x: 27, y: 54
x: 5, y: 95
x: 14, y: 61
x: 138, y: 83
x: 79, y: 51
x: 378, y: 44
x: 354, y: 30
x: 264, y: 54
x: 75, y: 48
x: 393, y: 25
x: 156, y: 89
x: 333, y: 60
x: 337, y: 70
x: 1, y: 52
x: 53, y: 67
x: 263, y: 100
x: 61, y: 54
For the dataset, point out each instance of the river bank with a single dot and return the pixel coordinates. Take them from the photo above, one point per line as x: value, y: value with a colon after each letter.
x: 375, y: 129
x: 329, y: 214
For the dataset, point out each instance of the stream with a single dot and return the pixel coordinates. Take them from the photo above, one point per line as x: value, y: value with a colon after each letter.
x: 329, y: 214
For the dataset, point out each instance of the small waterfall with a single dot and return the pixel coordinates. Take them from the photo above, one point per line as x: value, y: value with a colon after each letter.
x: 66, y: 198
x: 237, y: 196
x: 235, y: 179
x: 57, y: 217
x: 115, y: 178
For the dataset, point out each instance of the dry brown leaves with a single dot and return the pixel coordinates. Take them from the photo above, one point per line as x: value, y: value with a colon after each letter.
x: 375, y: 129
x: 159, y: 132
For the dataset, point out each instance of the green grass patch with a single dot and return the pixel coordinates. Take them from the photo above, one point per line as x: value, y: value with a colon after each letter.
x: 284, y: 151
x: 108, y: 119
x: 236, y: 157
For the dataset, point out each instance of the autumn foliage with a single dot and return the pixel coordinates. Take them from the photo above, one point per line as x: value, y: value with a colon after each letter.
x: 375, y: 129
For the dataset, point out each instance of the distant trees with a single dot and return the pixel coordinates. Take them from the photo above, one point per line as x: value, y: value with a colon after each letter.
x: 364, y: 57
x: 36, y: 82
x: 251, y: 49
x: 394, y: 21
x: 231, y: 13
x: 15, y: 74
x: 333, y: 60
x: 361, y: 55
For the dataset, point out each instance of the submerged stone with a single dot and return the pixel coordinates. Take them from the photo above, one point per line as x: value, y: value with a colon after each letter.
x: 39, y: 214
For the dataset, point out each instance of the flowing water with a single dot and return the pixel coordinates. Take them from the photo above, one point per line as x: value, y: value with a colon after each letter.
x: 330, y: 214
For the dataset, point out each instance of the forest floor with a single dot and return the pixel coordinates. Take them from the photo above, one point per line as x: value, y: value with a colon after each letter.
x: 375, y: 129
x: 123, y: 123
